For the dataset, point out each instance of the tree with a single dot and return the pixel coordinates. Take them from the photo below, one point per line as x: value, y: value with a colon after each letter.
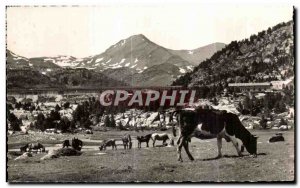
x: 39, y: 122
x: 15, y: 123
x: 107, y: 121
x: 57, y: 108
x: 66, y: 105
x: 215, y: 102
x: 112, y: 121
x: 87, y: 124
x: 64, y: 124
x: 276, y: 52
x: 54, y: 115
x: 120, y: 126
x: 72, y: 125
x: 18, y: 105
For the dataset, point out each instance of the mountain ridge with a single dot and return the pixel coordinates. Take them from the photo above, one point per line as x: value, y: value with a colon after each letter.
x: 265, y: 56
x: 132, y: 56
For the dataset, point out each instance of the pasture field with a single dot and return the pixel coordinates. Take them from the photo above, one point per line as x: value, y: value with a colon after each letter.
x: 275, y: 161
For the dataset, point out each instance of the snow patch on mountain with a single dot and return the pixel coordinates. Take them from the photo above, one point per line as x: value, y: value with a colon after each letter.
x: 189, y: 67
x: 182, y: 70
x: 122, y: 61
x: 99, y: 59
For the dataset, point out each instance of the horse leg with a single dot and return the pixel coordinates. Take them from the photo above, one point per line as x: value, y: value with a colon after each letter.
x: 219, y: 139
x: 147, y: 144
x: 186, y: 147
x: 180, y: 143
x: 154, y: 142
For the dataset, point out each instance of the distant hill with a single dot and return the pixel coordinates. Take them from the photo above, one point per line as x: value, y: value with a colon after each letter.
x: 198, y: 55
x: 36, y: 73
x: 266, y: 56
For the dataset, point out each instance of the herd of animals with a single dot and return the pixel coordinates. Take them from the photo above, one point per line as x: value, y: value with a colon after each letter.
x: 199, y: 123
x: 77, y: 144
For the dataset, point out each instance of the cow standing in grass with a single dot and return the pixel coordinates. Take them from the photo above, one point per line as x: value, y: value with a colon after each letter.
x: 209, y: 123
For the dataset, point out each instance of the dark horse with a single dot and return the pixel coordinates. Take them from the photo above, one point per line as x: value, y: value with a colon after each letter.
x: 127, y: 141
x: 77, y: 144
x: 141, y: 139
x: 66, y: 143
x: 36, y: 146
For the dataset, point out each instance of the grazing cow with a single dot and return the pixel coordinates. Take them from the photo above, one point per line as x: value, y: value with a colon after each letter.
x: 163, y: 136
x: 66, y: 143
x: 277, y: 138
x: 77, y: 144
x: 36, y: 146
x: 24, y: 148
x: 210, y: 123
x: 111, y: 142
x: 141, y: 139
x: 127, y: 141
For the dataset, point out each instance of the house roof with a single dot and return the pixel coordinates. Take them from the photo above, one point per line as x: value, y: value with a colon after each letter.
x: 249, y: 84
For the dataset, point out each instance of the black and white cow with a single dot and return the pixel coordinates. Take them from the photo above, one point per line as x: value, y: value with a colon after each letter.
x: 210, y: 123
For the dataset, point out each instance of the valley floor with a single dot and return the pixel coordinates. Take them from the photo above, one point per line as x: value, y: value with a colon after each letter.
x: 275, y: 162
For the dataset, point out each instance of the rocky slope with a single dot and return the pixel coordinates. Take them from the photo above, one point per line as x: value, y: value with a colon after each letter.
x: 266, y: 56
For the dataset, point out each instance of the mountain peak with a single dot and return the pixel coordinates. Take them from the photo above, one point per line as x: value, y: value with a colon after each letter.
x: 139, y: 36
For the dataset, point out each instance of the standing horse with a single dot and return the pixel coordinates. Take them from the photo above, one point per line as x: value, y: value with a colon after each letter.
x: 66, y: 143
x: 163, y: 136
x: 77, y: 144
x: 111, y: 142
x: 127, y: 141
x: 36, y: 146
x: 141, y: 139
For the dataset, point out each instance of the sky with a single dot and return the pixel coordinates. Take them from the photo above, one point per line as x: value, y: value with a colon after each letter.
x: 90, y: 30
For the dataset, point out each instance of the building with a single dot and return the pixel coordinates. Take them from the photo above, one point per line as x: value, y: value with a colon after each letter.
x: 279, y: 85
x: 251, y: 87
